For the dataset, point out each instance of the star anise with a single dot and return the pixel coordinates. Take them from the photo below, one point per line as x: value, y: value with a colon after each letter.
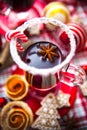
x: 48, y: 52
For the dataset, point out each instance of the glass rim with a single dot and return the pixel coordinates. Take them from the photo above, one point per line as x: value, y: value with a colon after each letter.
x: 33, y: 69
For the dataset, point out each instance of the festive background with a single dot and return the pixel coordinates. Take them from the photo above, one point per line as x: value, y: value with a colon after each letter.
x: 76, y: 115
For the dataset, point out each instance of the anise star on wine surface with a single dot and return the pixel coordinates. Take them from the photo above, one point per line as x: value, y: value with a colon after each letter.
x: 48, y: 52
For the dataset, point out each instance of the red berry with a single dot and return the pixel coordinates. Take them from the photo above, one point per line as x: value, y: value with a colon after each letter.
x: 3, y: 101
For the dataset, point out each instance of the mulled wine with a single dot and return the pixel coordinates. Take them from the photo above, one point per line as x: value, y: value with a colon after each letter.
x: 43, y: 55
x: 43, y: 60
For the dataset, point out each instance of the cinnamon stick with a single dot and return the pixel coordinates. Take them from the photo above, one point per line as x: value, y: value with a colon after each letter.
x: 4, y: 55
x: 7, y: 64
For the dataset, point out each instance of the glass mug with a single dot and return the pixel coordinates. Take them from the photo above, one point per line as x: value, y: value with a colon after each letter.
x: 43, y: 34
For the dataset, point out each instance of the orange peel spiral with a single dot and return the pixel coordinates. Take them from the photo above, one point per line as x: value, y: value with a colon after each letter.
x: 16, y: 87
x: 16, y: 115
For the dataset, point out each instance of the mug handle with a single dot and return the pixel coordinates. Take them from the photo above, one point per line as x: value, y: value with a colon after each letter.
x: 72, y: 75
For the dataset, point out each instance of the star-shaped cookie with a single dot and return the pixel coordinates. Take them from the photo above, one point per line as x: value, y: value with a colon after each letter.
x: 62, y: 99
